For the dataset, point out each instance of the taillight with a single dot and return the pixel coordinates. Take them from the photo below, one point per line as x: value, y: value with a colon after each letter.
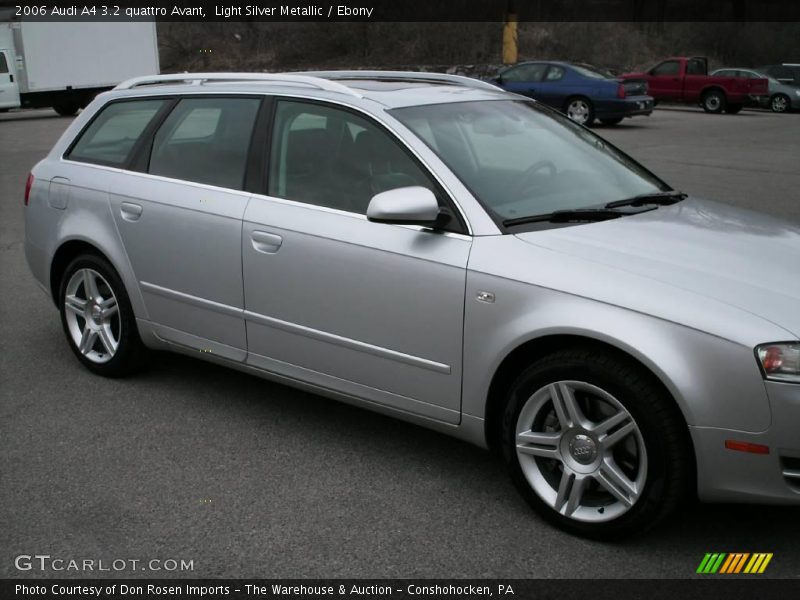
x: 28, y: 185
x: 621, y: 91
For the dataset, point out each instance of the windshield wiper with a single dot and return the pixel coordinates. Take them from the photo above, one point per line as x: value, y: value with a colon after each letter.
x: 568, y: 216
x: 668, y: 197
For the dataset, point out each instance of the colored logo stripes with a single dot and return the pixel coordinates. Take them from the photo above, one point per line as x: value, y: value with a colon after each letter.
x: 734, y: 563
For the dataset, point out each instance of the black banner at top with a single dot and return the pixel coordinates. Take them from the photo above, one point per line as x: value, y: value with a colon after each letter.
x: 401, y: 10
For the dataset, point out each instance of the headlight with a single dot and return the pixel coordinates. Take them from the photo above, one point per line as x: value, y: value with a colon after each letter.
x: 797, y: 92
x: 781, y: 361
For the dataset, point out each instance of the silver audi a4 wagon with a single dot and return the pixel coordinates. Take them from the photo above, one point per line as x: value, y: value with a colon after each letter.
x: 438, y: 250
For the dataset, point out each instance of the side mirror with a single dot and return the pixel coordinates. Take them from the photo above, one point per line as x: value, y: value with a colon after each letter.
x: 413, y: 205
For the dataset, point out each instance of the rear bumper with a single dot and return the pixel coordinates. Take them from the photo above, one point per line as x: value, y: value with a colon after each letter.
x: 734, y: 476
x: 624, y: 107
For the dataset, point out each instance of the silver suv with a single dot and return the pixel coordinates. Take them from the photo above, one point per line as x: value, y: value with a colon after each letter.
x: 439, y: 250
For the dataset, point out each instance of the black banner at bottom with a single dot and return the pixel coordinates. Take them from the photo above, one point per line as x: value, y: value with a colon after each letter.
x: 707, y: 587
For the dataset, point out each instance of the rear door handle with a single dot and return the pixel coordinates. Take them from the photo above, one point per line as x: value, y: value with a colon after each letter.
x: 130, y: 211
x: 266, y: 243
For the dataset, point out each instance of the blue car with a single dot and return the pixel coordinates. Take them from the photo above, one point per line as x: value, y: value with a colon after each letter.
x: 584, y: 93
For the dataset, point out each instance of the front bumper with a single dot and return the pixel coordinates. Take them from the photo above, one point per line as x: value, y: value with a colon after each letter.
x: 733, y: 476
x: 625, y: 107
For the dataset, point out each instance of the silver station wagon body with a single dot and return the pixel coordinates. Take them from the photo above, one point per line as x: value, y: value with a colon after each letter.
x: 441, y: 251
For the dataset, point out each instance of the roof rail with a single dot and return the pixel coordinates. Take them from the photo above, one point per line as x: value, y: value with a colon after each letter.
x: 200, y: 78
x: 421, y: 76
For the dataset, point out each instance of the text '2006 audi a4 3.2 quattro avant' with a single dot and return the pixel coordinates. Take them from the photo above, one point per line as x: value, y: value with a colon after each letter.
x: 439, y: 250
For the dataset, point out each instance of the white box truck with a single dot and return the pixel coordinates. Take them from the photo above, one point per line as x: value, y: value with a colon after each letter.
x: 64, y: 65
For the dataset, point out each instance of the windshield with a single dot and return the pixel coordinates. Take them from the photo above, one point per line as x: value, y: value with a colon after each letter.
x: 520, y: 159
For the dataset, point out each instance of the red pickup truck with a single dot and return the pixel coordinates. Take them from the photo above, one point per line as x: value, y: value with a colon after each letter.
x: 682, y: 79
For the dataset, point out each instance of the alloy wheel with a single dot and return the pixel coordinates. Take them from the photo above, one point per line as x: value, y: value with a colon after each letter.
x: 92, y: 315
x: 779, y: 104
x: 581, y: 451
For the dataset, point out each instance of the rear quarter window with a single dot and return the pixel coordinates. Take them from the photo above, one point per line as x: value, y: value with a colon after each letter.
x: 111, y: 136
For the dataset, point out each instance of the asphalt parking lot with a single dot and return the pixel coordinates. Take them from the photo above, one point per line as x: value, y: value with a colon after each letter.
x: 247, y: 478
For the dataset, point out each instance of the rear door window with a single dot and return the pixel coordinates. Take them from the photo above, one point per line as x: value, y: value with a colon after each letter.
x: 3, y: 63
x: 206, y: 140
x: 111, y: 136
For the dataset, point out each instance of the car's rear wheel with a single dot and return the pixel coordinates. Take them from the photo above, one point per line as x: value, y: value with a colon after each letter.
x: 595, y: 444
x: 66, y: 109
x: 614, y: 121
x: 98, y: 319
x: 713, y: 101
x: 580, y: 110
x: 779, y: 103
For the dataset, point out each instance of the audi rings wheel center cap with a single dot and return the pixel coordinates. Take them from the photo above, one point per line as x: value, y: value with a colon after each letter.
x: 583, y: 449
x: 96, y: 312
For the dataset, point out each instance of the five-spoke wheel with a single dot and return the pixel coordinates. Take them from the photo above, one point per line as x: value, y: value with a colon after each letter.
x: 595, y: 443
x: 92, y: 315
x: 581, y: 451
x: 779, y: 103
x: 98, y: 319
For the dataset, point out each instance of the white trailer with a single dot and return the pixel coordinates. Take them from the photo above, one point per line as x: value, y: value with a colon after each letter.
x: 64, y: 65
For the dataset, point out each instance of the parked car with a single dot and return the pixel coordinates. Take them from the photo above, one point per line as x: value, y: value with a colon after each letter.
x: 580, y: 91
x: 682, y: 79
x: 438, y: 250
x: 785, y: 73
x: 782, y: 96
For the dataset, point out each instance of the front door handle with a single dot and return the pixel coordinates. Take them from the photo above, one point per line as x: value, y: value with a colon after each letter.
x: 266, y: 243
x: 130, y: 211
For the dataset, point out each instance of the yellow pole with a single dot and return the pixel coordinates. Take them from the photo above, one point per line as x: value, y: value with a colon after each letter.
x: 510, y: 36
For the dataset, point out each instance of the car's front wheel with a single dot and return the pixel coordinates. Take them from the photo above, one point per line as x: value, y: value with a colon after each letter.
x: 594, y: 444
x: 97, y: 318
x: 779, y: 103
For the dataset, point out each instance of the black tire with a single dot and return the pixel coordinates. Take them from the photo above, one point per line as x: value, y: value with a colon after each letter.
x: 714, y: 101
x: 589, y: 109
x: 131, y: 354
x: 66, y: 109
x: 669, y: 458
x: 733, y: 109
x: 780, y: 103
x: 614, y: 121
